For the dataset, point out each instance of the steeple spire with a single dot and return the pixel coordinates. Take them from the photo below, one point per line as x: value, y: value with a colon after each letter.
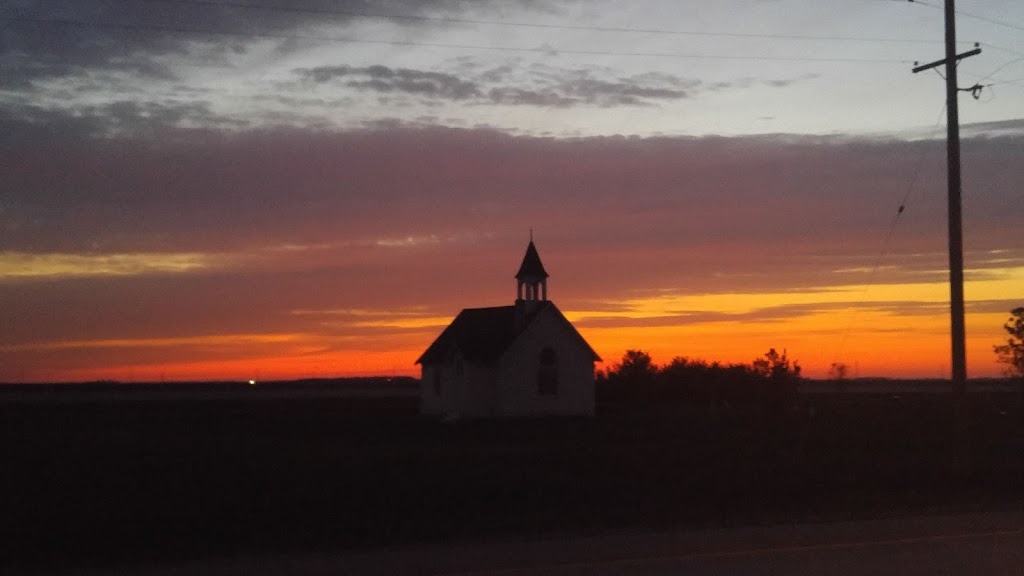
x: 532, y: 279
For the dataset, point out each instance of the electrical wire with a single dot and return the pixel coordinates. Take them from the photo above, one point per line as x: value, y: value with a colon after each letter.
x: 1004, y: 65
x: 971, y: 15
x: 475, y: 21
x: 1001, y: 82
x: 543, y: 49
x: 889, y: 235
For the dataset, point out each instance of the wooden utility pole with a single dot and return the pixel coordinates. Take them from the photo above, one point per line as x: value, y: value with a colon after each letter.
x: 956, y: 248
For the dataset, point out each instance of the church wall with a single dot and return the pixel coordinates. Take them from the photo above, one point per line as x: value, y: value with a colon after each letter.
x: 480, y: 399
x: 430, y: 402
x: 469, y: 395
x: 517, y: 377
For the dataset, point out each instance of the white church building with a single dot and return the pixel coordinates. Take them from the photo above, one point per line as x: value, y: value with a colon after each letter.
x: 508, y: 361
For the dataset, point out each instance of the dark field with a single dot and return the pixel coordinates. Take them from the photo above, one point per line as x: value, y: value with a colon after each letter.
x: 111, y: 481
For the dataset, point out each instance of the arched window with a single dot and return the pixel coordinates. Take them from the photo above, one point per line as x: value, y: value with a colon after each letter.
x: 547, y: 373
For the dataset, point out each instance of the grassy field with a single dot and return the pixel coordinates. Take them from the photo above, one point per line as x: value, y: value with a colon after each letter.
x: 128, y: 480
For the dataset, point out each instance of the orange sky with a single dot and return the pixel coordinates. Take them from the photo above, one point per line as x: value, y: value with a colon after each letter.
x: 274, y: 255
x: 856, y: 325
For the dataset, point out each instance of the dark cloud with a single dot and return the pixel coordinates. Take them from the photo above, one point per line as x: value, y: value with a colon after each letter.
x: 25, y: 123
x: 510, y: 84
x: 784, y: 82
x: 384, y: 79
x: 668, y: 211
x: 543, y: 85
x: 749, y: 81
x: 624, y: 92
x: 523, y: 97
x: 48, y: 40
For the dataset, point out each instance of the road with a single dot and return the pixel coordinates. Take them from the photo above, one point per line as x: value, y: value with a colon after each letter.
x: 991, y: 543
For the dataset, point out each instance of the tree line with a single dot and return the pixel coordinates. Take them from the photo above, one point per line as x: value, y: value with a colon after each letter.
x: 769, y: 382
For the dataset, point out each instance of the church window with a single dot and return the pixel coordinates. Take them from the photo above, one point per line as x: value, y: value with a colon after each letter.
x: 547, y: 373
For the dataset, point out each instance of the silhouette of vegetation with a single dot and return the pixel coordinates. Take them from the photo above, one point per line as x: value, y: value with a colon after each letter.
x: 769, y: 382
x: 838, y: 371
x: 1012, y: 353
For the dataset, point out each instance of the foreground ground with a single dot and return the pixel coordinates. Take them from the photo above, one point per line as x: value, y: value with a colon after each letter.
x: 143, y: 483
x: 991, y: 543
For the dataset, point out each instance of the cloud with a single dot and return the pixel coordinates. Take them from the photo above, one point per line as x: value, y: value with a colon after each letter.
x: 53, y: 40
x: 763, y: 315
x: 785, y: 82
x: 524, y: 97
x: 27, y: 122
x: 115, y: 68
x: 397, y: 217
x: 434, y: 219
x: 745, y: 82
x: 380, y: 78
x: 196, y: 341
x: 1013, y: 127
x: 626, y: 91
x: 543, y: 85
x: 20, y: 265
x: 807, y: 199
x: 509, y: 84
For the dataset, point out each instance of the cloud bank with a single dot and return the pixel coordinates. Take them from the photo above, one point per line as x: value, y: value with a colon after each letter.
x: 257, y: 233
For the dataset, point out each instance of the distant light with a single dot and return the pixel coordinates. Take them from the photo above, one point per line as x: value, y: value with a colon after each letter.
x: 252, y: 382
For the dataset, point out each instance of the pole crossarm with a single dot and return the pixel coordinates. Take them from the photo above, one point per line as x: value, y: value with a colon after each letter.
x: 938, y: 63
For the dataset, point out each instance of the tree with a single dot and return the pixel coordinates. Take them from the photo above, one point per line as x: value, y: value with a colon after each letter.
x: 838, y: 371
x: 629, y: 382
x: 637, y: 367
x: 1012, y: 353
x: 783, y: 377
x: 777, y: 366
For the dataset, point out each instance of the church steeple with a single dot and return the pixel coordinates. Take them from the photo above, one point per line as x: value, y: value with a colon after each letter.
x: 532, y: 279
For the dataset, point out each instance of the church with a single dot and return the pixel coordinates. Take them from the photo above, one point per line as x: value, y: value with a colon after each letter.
x: 510, y: 361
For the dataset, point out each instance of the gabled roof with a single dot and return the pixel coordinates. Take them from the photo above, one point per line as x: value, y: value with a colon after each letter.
x: 531, y: 266
x: 483, y: 334
x: 480, y: 334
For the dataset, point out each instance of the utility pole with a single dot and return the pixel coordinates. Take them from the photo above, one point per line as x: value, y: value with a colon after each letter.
x: 961, y: 448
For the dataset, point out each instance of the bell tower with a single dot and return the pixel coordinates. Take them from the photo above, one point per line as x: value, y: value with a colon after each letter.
x: 531, y: 280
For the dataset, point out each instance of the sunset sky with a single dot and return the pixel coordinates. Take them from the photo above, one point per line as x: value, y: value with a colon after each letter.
x: 270, y: 189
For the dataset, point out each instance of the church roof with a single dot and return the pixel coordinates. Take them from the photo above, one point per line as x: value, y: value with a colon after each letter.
x: 480, y: 334
x: 483, y: 334
x: 531, y: 266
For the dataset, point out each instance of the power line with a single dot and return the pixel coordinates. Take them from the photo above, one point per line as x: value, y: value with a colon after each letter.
x: 990, y: 20
x: 978, y: 86
x: 972, y: 15
x: 1000, y: 82
x: 986, y: 44
x: 543, y: 49
x: 541, y: 25
x: 892, y: 229
x: 994, y: 72
x: 474, y: 21
x: 1000, y: 48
